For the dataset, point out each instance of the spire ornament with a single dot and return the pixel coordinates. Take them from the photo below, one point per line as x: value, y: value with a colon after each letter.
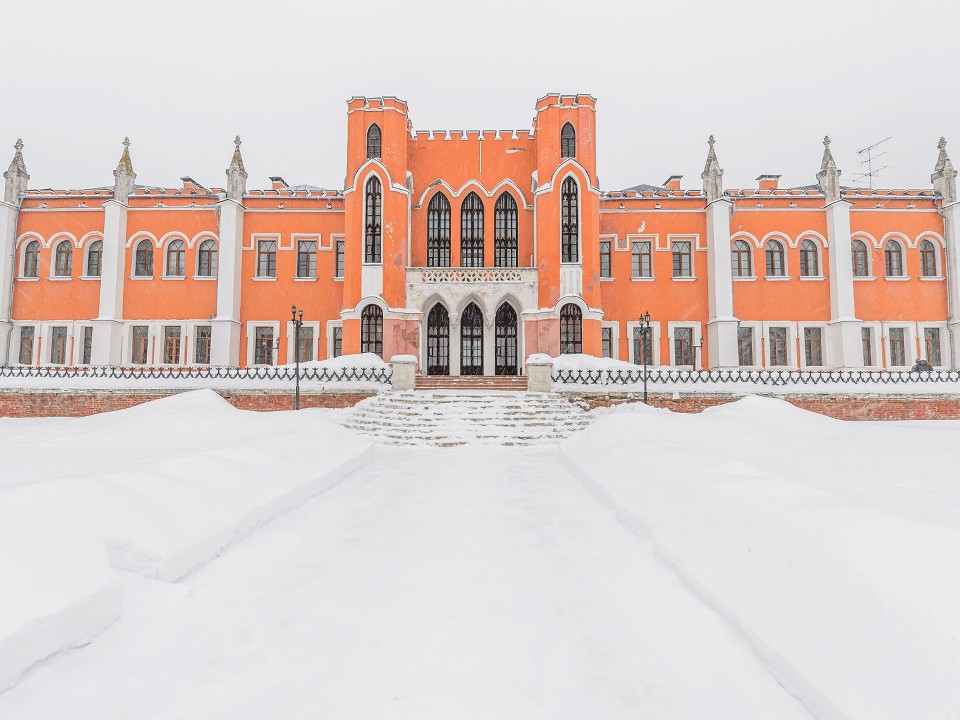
x: 829, y: 176
x: 124, y: 175
x: 944, y: 176
x: 16, y: 177
x: 712, y: 175
x: 236, y: 174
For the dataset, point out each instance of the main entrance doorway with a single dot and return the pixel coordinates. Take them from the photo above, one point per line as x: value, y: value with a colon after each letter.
x: 506, y: 340
x: 438, y: 341
x: 471, y: 341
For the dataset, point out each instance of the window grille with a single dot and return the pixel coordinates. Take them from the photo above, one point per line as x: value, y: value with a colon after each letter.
x: 571, y: 330
x: 58, y: 345
x: 95, y: 259
x: 776, y: 265
x: 642, y: 260
x: 893, y: 258
x: 568, y: 141
x: 745, y: 346
x: 931, y: 340
x: 306, y: 259
x: 171, y: 344
x: 471, y: 341
x: 86, y: 350
x: 140, y: 347
x: 176, y: 261
x: 373, y: 142
x: 569, y: 221
x: 63, y: 266
x: 683, y: 346
x: 305, y: 345
x: 778, y: 346
x: 27, y: 334
x: 606, y: 269
x: 207, y: 261
x: 471, y: 231
x: 373, y: 222
x: 898, y: 347
x: 337, y: 341
x: 266, y: 258
x: 642, y: 346
x: 928, y: 259
x: 682, y: 259
x: 606, y: 342
x: 438, y: 341
x: 866, y: 340
x: 201, y: 350
x: 31, y: 260
x: 506, y: 341
x: 143, y: 266
x: 264, y: 347
x: 861, y: 260
x: 438, y: 231
x: 741, y: 260
x: 338, y: 271
x: 505, y: 235
x: 809, y: 259
x: 813, y: 346
x: 371, y: 330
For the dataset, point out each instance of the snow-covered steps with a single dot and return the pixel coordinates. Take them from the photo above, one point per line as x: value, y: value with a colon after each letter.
x: 512, y: 383
x: 448, y: 418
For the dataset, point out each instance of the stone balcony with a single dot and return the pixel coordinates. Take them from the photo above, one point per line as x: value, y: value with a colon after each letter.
x: 488, y: 286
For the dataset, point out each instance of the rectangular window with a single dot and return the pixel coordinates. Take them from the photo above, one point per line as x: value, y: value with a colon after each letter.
x: 606, y: 337
x: 171, y: 344
x: 26, y: 345
x: 139, y: 351
x: 641, y: 260
x: 267, y: 258
x: 813, y: 346
x: 306, y: 259
x: 338, y: 272
x: 898, y: 347
x: 86, y: 350
x: 606, y: 269
x: 682, y: 260
x: 305, y: 345
x: 201, y: 350
x: 866, y: 339
x: 683, y: 346
x: 263, y: 350
x: 642, y: 347
x: 745, y: 346
x: 778, y: 346
x: 337, y: 341
x: 58, y: 345
x: 931, y: 339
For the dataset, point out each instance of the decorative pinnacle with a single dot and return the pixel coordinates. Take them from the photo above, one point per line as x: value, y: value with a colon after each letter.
x: 126, y: 142
x: 711, y: 141
x: 18, y: 145
x: 237, y: 141
x: 826, y: 141
x: 942, y: 145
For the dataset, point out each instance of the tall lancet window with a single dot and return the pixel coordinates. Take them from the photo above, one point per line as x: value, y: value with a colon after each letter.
x: 373, y: 142
x: 438, y: 231
x: 569, y: 221
x: 471, y: 231
x: 505, y: 231
x: 373, y: 222
x: 568, y: 141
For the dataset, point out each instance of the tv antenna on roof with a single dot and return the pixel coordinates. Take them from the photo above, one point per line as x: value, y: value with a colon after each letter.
x: 871, y: 157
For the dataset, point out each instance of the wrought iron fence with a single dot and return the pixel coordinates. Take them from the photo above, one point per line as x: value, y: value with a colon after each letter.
x: 345, y: 374
x: 759, y: 377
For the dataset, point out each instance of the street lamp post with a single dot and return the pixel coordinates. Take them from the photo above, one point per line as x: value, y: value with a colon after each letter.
x: 297, y: 324
x: 645, y: 334
x: 698, y: 349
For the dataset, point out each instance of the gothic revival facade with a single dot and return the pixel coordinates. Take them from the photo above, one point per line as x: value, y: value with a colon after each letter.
x: 474, y: 249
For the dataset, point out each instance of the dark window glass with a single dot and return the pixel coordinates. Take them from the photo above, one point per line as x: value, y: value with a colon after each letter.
x: 140, y: 348
x: 898, y: 348
x: 682, y: 259
x: 571, y: 330
x: 683, y: 346
x: 338, y: 271
x: 176, y: 259
x: 371, y: 330
x: 741, y: 259
x: 264, y: 347
x: 143, y: 266
x: 305, y: 345
x: 26, y: 345
x: 207, y: 260
x: 860, y: 259
x: 306, y: 259
x: 642, y: 346
x: 505, y: 236
x: 809, y: 259
x: 745, y: 346
x: 931, y: 340
x: 778, y: 346
x: 506, y: 340
x: 813, y: 346
x: 95, y: 259
x: 775, y: 259
x: 171, y: 344
x: 893, y: 257
x: 438, y: 231
x: 606, y: 269
x: 606, y: 342
x: 337, y: 341
x: 58, y: 345
x: 641, y: 260
x: 373, y: 222
x: 866, y: 339
x: 266, y: 258
x: 471, y: 231
x: 569, y: 221
x: 373, y: 142
x: 438, y: 341
x: 87, y: 349
x: 63, y: 264
x: 201, y: 351
x: 471, y: 341
x: 928, y: 259
x: 568, y: 141
x: 31, y: 260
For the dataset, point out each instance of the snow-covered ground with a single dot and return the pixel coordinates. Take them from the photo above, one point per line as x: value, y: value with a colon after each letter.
x: 753, y: 561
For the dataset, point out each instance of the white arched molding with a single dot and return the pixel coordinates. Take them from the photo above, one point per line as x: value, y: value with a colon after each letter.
x: 812, y: 235
x: 474, y: 185
x: 744, y: 235
x: 777, y: 235
x: 586, y: 311
x: 869, y: 239
x: 930, y: 235
x: 141, y: 235
x: 56, y: 238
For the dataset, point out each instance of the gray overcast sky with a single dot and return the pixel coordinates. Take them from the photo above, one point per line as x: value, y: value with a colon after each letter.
x: 767, y: 78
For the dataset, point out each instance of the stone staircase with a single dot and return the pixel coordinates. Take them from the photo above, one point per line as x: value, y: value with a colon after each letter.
x: 449, y: 418
x: 514, y: 383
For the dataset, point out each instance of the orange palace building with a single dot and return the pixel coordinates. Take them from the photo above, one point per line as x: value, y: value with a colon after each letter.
x: 472, y: 250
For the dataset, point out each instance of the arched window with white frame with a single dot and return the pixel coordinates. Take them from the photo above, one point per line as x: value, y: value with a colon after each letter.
x: 371, y: 330
x: 207, y: 258
x: 809, y: 259
x: 776, y: 260
x: 929, y: 265
x: 373, y: 222
x: 143, y: 259
x: 893, y: 258
x: 571, y: 330
x: 860, y: 258
x: 741, y: 259
x: 94, y: 259
x: 31, y: 260
x: 63, y: 259
x: 569, y: 221
x: 176, y: 259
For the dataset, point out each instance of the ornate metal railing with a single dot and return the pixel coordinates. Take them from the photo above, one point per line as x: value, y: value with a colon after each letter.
x: 473, y: 275
x: 682, y: 376
x: 308, y: 374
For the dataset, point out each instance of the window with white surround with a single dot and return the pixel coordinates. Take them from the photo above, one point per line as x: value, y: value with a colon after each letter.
x: 202, y: 338
x: 58, y: 345
x: 929, y: 260
x: 683, y: 346
x: 860, y: 257
x: 334, y: 339
x: 610, y: 337
x: 373, y: 222
x: 31, y: 260
x: 866, y: 341
x: 207, y: 258
x: 641, y: 259
x: 893, y: 259
x: 571, y: 330
x: 306, y: 259
x: 776, y: 259
x: 264, y: 349
x: 140, y: 344
x: 171, y: 344
x: 813, y: 347
x: 176, y: 259
x: 143, y: 259
x: 640, y: 348
x: 569, y: 221
x: 266, y: 258
x: 63, y: 259
x: 897, y: 346
x: 745, y: 349
x: 606, y: 257
x: 94, y: 259
x: 741, y: 259
x: 28, y: 335
x: 778, y: 353
x: 682, y: 258
x: 338, y: 266
x: 933, y: 344
x: 809, y: 259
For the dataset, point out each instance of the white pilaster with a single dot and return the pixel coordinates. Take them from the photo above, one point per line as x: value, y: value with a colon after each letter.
x: 951, y: 221
x: 489, y: 346
x: 722, y: 325
x: 844, y: 344
x: 9, y: 214
x: 108, y: 325
x: 225, y: 340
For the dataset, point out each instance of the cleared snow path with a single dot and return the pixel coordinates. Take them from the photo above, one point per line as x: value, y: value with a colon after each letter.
x: 457, y: 583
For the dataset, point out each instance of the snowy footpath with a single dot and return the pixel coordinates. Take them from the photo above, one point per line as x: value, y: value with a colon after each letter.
x: 465, y: 583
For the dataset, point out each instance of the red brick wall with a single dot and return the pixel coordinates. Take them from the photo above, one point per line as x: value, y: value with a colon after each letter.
x: 40, y: 403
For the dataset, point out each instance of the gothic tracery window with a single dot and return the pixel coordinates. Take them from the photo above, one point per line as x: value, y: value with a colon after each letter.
x: 568, y: 141
x: 569, y: 221
x: 373, y: 222
x: 373, y: 142
x: 471, y: 231
x: 571, y: 330
x: 505, y: 231
x: 438, y: 231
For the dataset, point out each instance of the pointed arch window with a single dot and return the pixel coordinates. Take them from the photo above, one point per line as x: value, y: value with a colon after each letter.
x: 860, y: 258
x: 438, y: 341
x: 438, y: 231
x: 506, y: 339
x: 928, y: 259
x: 776, y: 265
x: 63, y: 259
x: 471, y: 341
x: 143, y: 261
x: 571, y: 330
x: 371, y: 330
x: 471, y: 231
x: 505, y: 231
x: 207, y: 259
x: 373, y: 222
x: 893, y: 258
x: 569, y: 221
x: 568, y: 141
x: 373, y: 142
x: 31, y: 260
x: 809, y: 259
x: 95, y: 259
x: 176, y: 259
x: 742, y: 259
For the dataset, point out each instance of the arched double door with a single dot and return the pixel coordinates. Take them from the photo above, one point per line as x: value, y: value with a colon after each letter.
x: 472, y: 341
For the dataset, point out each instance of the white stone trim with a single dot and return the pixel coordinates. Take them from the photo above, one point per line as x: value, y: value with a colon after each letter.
x: 251, y: 338
x: 698, y: 361
x: 633, y: 325
x: 791, y: 327
x: 314, y: 325
x: 802, y: 349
